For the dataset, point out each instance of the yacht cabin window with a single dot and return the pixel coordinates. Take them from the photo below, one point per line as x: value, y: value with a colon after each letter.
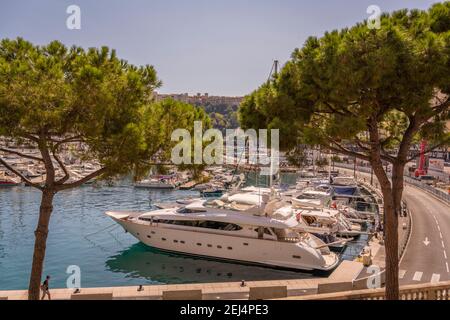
x: 265, y: 233
x: 217, y: 225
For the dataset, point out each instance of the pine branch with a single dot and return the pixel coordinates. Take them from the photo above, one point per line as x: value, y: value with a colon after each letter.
x: 63, y: 167
x: 440, y: 144
x: 20, y: 154
x: 21, y: 176
x: 81, y: 181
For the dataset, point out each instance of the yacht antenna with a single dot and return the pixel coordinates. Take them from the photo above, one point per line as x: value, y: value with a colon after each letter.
x: 329, y: 165
x: 271, y: 169
x: 239, y: 161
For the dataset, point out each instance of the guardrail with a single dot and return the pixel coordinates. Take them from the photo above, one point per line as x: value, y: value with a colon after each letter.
x: 436, y: 291
x: 436, y: 192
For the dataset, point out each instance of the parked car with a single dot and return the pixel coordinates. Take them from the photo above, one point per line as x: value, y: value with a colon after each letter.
x: 430, y: 180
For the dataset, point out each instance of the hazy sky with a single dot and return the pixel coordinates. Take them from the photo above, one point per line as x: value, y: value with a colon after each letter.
x: 224, y: 47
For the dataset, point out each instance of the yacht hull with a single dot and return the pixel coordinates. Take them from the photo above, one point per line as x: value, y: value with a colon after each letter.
x: 277, y: 254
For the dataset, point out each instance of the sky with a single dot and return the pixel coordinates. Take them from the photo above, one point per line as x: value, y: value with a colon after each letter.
x: 222, y: 47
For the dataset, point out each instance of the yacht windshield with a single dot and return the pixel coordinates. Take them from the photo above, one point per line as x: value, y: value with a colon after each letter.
x: 188, y: 210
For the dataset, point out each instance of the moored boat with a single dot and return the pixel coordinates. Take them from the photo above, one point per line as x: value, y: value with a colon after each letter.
x: 237, y: 229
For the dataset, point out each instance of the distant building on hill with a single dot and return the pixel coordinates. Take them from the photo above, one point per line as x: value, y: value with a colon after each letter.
x: 202, y: 99
x: 221, y: 110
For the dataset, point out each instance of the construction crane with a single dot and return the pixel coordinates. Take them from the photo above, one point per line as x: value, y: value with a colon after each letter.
x: 274, y: 70
x: 421, y: 170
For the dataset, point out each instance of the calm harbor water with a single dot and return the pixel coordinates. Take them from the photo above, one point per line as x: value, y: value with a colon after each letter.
x: 80, y: 234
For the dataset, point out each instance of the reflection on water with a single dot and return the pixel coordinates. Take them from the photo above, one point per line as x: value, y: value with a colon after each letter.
x: 80, y: 234
x: 140, y: 261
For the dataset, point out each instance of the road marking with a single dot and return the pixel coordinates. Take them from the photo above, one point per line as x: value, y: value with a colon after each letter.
x: 417, y: 276
x: 445, y: 255
x: 435, y: 278
x: 440, y: 235
x: 446, y: 264
x: 426, y: 242
x: 443, y: 245
x: 439, y: 228
x: 401, y: 274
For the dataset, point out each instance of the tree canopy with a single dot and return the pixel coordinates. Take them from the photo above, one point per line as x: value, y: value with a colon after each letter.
x: 397, y: 75
x: 52, y: 95
x: 369, y: 94
x: 55, y: 99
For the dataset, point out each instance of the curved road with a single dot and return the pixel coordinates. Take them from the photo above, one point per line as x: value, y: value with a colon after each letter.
x: 427, y: 255
x: 426, y: 258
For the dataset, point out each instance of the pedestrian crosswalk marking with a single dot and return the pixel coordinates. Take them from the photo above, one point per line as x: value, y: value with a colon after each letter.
x: 417, y: 276
x: 435, y: 278
x: 401, y: 274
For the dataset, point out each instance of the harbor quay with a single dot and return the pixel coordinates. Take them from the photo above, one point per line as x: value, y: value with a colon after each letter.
x: 251, y: 155
x: 352, y: 273
x: 206, y: 291
x: 363, y: 262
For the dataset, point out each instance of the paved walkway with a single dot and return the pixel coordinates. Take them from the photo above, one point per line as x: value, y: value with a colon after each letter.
x: 347, y: 271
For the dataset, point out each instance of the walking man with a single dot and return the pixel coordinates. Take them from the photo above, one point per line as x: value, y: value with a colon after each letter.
x: 45, y: 288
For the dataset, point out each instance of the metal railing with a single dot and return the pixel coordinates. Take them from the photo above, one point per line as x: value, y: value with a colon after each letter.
x: 436, y: 192
x: 419, y: 184
x: 427, y: 291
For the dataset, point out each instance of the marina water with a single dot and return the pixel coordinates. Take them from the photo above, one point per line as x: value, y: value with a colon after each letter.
x: 81, y: 235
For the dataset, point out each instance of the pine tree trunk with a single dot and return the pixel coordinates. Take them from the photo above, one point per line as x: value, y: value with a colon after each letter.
x: 390, y: 224
x: 392, y: 292
x: 40, y: 243
x: 391, y: 246
x: 392, y: 196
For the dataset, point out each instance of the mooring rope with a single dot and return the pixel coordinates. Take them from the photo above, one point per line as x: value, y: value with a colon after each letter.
x: 96, y: 232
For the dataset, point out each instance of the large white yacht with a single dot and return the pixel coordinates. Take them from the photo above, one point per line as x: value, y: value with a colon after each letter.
x: 233, y: 228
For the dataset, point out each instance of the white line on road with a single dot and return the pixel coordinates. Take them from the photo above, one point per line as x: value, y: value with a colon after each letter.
x: 443, y: 245
x: 417, y: 276
x: 435, y: 278
x: 401, y: 274
x: 439, y: 228
x: 440, y: 235
x: 445, y: 255
x: 446, y: 264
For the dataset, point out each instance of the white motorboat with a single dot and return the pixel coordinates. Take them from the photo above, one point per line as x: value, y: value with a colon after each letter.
x: 233, y: 228
x: 158, y: 182
x: 326, y: 221
x: 314, y: 215
x: 311, y: 197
